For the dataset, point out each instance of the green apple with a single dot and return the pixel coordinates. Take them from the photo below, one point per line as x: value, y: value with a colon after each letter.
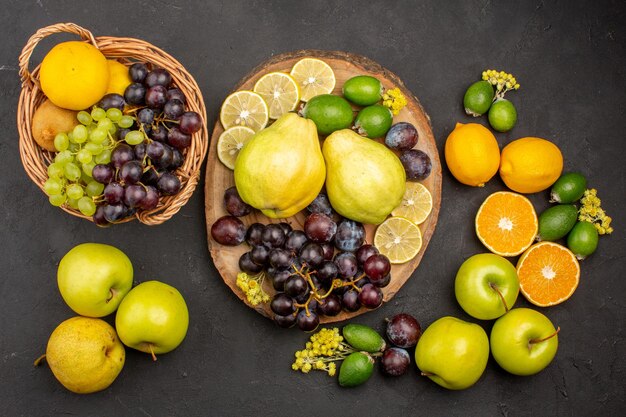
x: 524, y: 341
x: 486, y: 286
x: 94, y: 278
x: 152, y: 318
x: 453, y: 353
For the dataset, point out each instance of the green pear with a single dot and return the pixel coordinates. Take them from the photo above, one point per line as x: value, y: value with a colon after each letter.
x: 281, y: 169
x: 365, y: 180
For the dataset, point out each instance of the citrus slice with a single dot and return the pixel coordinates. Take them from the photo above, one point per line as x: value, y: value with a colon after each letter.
x: 280, y: 92
x: 314, y: 77
x: 506, y: 223
x: 244, y: 108
x: 416, y: 203
x: 548, y: 274
x: 398, y: 239
x: 230, y: 142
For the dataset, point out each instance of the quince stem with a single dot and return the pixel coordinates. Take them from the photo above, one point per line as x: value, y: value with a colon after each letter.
x: 39, y: 360
x: 154, y: 358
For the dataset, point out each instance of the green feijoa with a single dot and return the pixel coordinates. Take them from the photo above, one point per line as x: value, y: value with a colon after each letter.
x: 502, y: 115
x: 478, y: 98
x: 568, y: 188
x: 556, y: 221
x: 363, y: 90
x: 356, y: 369
x: 583, y: 239
x: 329, y: 113
x: 373, y: 121
x: 364, y: 338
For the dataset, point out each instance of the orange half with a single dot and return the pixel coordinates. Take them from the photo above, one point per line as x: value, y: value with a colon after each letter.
x: 548, y: 274
x: 506, y: 223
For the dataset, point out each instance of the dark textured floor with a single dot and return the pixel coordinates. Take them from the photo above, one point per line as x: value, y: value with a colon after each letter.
x: 570, y: 58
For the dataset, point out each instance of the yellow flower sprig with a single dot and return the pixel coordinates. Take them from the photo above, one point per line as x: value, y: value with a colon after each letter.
x: 394, y: 100
x: 321, y: 352
x: 590, y: 211
x: 252, y: 287
x: 503, y: 81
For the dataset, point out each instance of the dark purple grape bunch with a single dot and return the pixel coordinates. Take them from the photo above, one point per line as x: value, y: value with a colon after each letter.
x: 403, y: 331
x: 403, y: 137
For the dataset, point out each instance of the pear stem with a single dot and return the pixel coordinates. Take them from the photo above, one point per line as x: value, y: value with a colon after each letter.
x: 154, y: 358
x: 39, y: 360
x: 427, y: 374
x: 495, y: 288
x: 533, y: 341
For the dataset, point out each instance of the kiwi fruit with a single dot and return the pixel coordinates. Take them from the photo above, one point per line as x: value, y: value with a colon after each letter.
x: 49, y: 120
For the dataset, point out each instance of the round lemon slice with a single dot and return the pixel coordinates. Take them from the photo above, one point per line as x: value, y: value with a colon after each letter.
x: 416, y: 204
x: 244, y: 108
x: 280, y: 92
x: 314, y: 77
x: 230, y: 142
x: 398, y: 239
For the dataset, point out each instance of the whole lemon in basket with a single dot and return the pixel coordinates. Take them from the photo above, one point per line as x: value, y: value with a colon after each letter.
x: 281, y: 169
x: 472, y: 154
x: 74, y: 75
x: 529, y: 165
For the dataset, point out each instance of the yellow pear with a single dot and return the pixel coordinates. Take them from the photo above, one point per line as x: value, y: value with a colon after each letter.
x: 365, y: 180
x: 85, y: 354
x: 281, y: 169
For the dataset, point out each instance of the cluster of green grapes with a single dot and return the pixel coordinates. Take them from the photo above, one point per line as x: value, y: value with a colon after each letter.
x: 79, y: 151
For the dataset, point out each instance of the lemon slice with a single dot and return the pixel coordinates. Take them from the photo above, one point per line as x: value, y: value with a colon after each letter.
x: 244, y: 108
x: 280, y: 92
x: 398, y: 239
x: 416, y: 203
x: 230, y: 143
x: 314, y: 77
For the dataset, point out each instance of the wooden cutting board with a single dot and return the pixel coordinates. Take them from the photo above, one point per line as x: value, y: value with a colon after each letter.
x: 219, y: 178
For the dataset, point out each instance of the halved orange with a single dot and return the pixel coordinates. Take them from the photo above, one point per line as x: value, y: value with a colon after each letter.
x: 506, y: 223
x: 548, y: 274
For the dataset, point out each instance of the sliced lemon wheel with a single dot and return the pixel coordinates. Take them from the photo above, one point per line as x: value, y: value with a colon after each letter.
x: 398, y: 239
x: 416, y: 203
x: 280, y: 91
x: 244, y: 108
x: 314, y: 77
x: 230, y: 142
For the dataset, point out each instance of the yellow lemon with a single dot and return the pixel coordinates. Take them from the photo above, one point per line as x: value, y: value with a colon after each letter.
x: 119, y: 78
x: 472, y: 154
x: 74, y: 75
x: 529, y: 165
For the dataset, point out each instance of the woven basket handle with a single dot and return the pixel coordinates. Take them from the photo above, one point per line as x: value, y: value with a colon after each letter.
x: 27, y: 77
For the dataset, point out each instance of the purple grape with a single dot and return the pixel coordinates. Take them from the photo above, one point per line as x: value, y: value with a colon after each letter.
x: 362, y: 282
x: 114, y: 212
x: 370, y: 296
x: 364, y: 252
x: 254, y: 234
x: 377, y: 267
x: 173, y: 109
x: 168, y: 184
x: 401, y: 137
x: 234, y: 204
x: 134, y: 195
x: 111, y: 101
x: 98, y: 217
x: 190, y: 122
x: 176, y: 94
x: 122, y: 154
x: 140, y: 151
x: 131, y: 172
x: 138, y: 72
x: 382, y: 283
x: 327, y: 272
x: 228, y: 230
x: 312, y: 253
x: 259, y: 255
x: 135, y: 94
x: 307, y: 323
x: 320, y: 204
x: 330, y: 306
x: 178, y: 139
x: 273, y: 236
x: 102, y: 173
x: 158, y: 77
x: 121, y: 133
x: 159, y: 133
x: 150, y: 177
x: 279, y: 278
x: 280, y: 258
x: 177, y: 160
x: 403, y: 330
x: 329, y: 250
x: 296, y: 286
x: 145, y: 116
x: 286, y: 228
x: 350, y: 300
x: 154, y: 150
x: 113, y: 193
x: 282, y: 304
x: 395, y: 361
x: 285, y: 321
x: 248, y: 266
x: 155, y: 97
x: 151, y: 200
x: 346, y: 264
x: 295, y: 240
x: 166, y: 159
x: 350, y: 235
x: 319, y: 227
x: 416, y: 164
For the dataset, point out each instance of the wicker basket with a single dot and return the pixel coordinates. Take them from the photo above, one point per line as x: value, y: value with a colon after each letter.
x: 127, y: 51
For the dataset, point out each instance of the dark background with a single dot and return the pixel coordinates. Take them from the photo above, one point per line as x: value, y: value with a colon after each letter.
x: 570, y: 59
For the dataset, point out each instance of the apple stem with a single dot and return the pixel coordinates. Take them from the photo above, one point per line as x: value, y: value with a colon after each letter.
x: 39, y: 360
x: 111, y: 294
x: 427, y: 374
x: 154, y: 358
x: 533, y: 341
x: 495, y: 288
